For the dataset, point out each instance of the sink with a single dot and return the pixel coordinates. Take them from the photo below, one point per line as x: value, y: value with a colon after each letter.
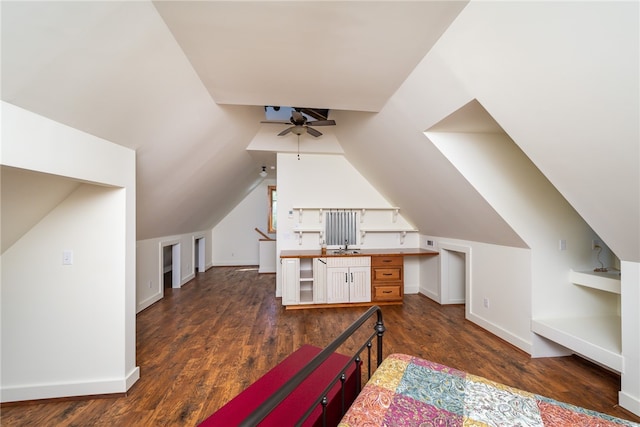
x: 347, y: 252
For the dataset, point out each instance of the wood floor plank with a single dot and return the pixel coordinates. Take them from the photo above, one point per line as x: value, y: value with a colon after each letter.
x: 204, y: 343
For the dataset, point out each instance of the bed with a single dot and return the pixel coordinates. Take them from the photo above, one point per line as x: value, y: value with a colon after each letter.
x: 409, y: 391
x: 403, y: 390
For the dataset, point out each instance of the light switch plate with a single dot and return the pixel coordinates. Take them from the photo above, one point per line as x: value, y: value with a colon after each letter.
x: 67, y: 257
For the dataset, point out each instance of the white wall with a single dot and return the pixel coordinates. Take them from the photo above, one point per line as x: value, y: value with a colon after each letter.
x: 500, y: 274
x: 629, y: 396
x: 235, y: 241
x: 559, y: 94
x: 499, y: 170
x: 330, y: 181
x: 69, y: 330
x: 149, y: 282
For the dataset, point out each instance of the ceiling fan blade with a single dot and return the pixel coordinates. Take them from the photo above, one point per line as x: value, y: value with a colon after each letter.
x: 322, y: 123
x: 313, y: 132
x: 312, y: 113
x: 280, y: 122
x: 286, y: 131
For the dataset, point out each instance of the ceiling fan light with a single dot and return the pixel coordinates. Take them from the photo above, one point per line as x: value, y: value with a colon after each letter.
x: 263, y: 172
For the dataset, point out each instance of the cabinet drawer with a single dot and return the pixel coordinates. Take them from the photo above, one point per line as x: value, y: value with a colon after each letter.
x: 381, y: 261
x: 349, y: 261
x: 387, y: 274
x: 386, y: 293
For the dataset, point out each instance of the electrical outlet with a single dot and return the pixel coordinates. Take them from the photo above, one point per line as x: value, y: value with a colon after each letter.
x: 430, y: 243
x: 486, y: 302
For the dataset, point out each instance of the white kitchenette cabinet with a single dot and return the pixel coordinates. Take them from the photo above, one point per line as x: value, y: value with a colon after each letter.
x: 304, y: 281
x: 319, y: 280
x: 290, y: 281
x: 348, y: 279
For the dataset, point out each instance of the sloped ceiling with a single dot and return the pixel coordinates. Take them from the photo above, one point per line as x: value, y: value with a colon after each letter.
x: 184, y: 83
x: 41, y: 192
x: 340, y: 55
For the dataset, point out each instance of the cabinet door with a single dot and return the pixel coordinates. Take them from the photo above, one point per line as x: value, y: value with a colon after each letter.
x: 290, y: 281
x: 338, y: 284
x: 319, y: 280
x: 360, y: 284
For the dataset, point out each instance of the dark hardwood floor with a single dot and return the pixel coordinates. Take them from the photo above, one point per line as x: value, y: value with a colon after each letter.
x: 203, y: 344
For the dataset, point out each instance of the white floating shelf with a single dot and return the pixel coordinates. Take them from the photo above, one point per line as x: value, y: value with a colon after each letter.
x: 403, y: 232
x: 605, y: 281
x: 301, y: 231
x: 395, y: 210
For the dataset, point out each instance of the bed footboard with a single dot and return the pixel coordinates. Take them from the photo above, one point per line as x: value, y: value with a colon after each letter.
x: 283, y: 392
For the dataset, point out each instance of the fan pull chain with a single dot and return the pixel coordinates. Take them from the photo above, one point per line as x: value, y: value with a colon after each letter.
x: 298, y: 147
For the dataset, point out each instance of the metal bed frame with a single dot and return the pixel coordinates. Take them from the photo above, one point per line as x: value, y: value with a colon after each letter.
x: 279, y: 395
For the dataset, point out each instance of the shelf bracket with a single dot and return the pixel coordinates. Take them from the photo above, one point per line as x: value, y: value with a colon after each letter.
x: 299, y: 237
x: 320, y: 215
x: 402, y: 236
x: 395, y: 215
x: 300, y: 216
x: 362, y: 234
x: 362, y: 215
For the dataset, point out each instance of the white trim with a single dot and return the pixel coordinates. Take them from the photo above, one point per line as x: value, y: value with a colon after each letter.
x: 149, y: 301
x: 628, y: 402
x: 443, y: 298
x: 52, y: 391
x: 500, y: 332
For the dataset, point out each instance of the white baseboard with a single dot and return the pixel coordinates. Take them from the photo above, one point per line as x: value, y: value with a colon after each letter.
x: 53, y: 391
x: 236, y: 263
x: 411, y: 289
x: 431, y: 295
x: 630, y: 403
x: 148, y: 302
x: 501, y: 333
x: 186, y: 279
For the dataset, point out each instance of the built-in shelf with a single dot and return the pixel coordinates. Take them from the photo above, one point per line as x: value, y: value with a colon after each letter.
x: 306, y: 296
x: 597, y: 338
x: 394, y: 210
x: 363, y: 232
x: 301, y: 231
x: 608, y: 281
x: 402, y: 231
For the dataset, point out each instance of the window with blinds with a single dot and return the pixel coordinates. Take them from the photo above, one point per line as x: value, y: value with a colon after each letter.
x: 341, y: 226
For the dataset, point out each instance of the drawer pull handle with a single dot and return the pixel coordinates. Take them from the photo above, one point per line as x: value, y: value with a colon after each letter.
x: 386, y: 292
x: 386, y: 260
x: 387, y: 274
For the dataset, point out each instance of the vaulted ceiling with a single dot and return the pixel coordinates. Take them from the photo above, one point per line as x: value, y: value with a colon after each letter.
x: 184, y: 83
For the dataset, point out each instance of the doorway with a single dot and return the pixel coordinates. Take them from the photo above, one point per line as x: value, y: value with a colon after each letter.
x: 198, y: 254
x: 171, y: 265
x: 454, y: 273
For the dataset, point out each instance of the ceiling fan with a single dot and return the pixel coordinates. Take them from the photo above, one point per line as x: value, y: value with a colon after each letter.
x: 300, y: 123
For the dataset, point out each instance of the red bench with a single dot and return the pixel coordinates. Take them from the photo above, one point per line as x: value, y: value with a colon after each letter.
x: 299, y: 401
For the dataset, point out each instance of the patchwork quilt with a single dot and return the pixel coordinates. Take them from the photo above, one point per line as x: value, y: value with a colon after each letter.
x: 409, y: 391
